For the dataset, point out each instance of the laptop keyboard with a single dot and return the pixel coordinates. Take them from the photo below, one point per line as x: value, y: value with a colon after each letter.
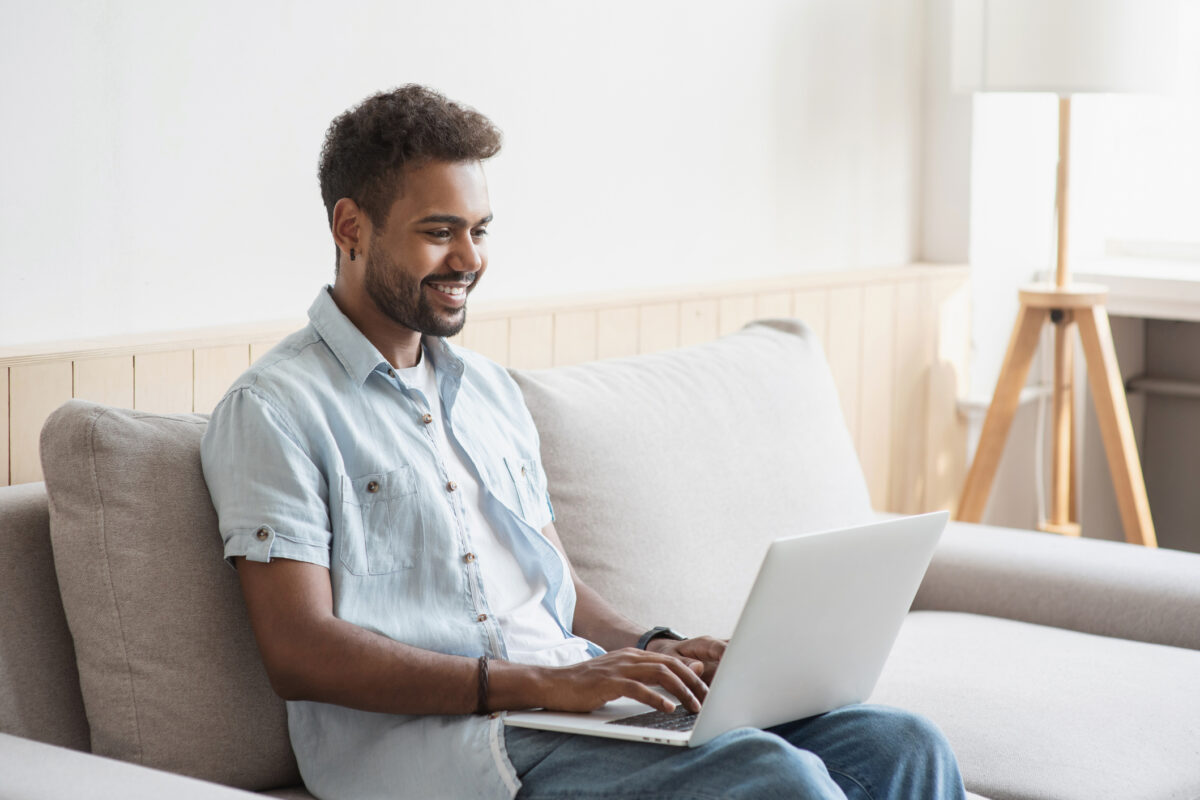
x: 678, y: 720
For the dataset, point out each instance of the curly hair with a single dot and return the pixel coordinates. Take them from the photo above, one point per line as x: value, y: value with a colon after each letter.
x: 368, y: 147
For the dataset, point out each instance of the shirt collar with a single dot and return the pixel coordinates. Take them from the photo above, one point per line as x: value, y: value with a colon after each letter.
x: 356, y: 353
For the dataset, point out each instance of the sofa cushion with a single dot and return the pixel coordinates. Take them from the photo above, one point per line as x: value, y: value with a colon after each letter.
x: 1036, y: 712
x: 671, y: 472
x: 39, y: 692
x: 170, y: 674
x: 1147, y: 594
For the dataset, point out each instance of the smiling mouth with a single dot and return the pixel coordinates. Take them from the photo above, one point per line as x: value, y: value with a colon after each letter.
x: 450, y: 289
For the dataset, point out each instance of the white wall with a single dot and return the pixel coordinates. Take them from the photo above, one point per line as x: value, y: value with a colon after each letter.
x: 158, y: 167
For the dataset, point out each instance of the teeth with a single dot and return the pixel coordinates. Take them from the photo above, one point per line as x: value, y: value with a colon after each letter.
x: 453, y: 291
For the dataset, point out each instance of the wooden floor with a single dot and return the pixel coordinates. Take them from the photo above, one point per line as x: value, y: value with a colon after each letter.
x: 897, y: 341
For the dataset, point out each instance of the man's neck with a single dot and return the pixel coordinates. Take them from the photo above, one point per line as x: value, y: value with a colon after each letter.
x: 401, y: 346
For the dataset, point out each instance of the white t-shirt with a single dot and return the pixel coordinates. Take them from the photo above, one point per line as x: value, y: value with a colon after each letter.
x: 530, y: 633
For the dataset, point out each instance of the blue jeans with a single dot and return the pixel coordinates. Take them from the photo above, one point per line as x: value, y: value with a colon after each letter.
x: 867, y: 752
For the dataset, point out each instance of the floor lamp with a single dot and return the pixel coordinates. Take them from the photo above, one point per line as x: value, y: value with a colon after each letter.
x: 1065, y: 47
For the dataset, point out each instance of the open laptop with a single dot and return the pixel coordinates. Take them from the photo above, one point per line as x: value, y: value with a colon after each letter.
x: 813, y: 636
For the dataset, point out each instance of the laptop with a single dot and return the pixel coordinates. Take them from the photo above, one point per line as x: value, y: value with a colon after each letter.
x: 813, y: 636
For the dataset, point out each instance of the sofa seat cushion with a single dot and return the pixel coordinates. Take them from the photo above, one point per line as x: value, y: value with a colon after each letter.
x: 670, y: 473
x: 1036, y: 712
x: 169, y: 670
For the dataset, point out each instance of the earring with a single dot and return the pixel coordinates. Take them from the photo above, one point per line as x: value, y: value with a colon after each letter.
x: 351, y: 253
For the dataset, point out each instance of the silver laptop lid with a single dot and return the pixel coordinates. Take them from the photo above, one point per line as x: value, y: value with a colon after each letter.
x: 819, y: 623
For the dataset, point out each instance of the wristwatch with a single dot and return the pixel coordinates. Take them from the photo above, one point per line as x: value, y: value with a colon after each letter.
x: 659, y: 633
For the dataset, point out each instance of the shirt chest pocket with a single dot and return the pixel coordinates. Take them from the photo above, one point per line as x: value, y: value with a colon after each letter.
x: 522, y: 476
x: 382, y: 526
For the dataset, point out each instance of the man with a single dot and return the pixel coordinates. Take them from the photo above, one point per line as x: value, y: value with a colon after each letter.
x: 381, y: 495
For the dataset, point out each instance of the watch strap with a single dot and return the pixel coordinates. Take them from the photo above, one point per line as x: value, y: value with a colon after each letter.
x: 660, y: 632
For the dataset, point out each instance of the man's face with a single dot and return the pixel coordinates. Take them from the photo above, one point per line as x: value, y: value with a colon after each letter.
x: 432, y: 249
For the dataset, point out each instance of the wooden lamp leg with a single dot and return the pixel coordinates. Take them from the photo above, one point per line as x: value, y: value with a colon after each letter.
x: 1073, y: 510
x: 1062, y: 474
x: 1112, y: 411
x: 1021, y: 347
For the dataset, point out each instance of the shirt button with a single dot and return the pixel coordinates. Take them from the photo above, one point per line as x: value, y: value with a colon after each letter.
x: 469, y: 557
x: 261, y: 534
x: 372, y: 487
x: 482, y: 618
x: 451, y: 486
x: 428, y: 418
x: 522, y: 472
x: 391, y: 373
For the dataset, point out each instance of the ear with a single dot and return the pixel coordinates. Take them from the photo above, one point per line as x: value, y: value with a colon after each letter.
x: 351, y: 228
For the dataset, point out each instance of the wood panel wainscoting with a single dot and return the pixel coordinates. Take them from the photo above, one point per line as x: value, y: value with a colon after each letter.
x: 897, y: 340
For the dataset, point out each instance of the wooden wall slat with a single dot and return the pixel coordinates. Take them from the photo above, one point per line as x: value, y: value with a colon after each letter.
x: 105, y: 380
x: 488, y: 337
x: 735, y: 312
x: 35, y: 390
x: 912, y: 332
x: 877, y: 374
x: 658, y: 327
x: 4, y: 426
x: 772, y: 304
x: 162, y: 382
x: 214, y: 369
x: 900, y: 398
x: 575, y: 335
x: 843, y: 349
x: 945, y: 448
x: 698, y: 321
x: 531, y: 341
x: 617, y: 332
x: 812, y: 307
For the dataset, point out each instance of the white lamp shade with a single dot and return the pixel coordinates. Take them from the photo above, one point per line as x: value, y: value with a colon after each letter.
x: 1065, y: 46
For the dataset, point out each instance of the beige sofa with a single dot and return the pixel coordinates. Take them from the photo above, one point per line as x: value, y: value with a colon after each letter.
x: 1058, y: 668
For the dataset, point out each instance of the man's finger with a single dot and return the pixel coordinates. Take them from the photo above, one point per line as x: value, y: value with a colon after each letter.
x: 684, y: 683
x: 644, y: 694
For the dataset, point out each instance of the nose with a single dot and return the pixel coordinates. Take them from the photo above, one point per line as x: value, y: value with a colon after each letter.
x: 466, y: 256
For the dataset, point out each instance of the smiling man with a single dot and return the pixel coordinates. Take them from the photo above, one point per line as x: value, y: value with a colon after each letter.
x: 382, y: 497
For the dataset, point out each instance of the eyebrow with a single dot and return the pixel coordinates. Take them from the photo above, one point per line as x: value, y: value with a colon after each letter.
x: 451, y: 219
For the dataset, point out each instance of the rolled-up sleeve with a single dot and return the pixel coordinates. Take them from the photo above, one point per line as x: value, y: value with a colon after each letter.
x: 271, y: 499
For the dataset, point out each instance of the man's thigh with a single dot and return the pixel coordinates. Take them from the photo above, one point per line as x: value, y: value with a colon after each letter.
x: 879, y: 752
x: 869, y: 752
x: 743, y: 763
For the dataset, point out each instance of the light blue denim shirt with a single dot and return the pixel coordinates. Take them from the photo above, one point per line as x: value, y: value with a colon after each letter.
x: 320, y: 453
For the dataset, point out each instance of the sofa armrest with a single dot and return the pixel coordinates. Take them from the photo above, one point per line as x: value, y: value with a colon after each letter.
x: 36, y: 771
x: 1107, y: 588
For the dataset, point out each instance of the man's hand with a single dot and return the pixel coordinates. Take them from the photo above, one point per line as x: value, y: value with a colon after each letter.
x: 703, y: 653
x: 586, y: 686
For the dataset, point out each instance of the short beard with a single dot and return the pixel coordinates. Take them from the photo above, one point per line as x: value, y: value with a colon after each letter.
x: 405, y: 303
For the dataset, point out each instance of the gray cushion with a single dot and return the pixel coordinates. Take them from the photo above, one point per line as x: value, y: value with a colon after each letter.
x: 170, y: 674
x: 39, y: 689
x: 1036, y: 712
x: 1088, y: 585
x: 689, y: 462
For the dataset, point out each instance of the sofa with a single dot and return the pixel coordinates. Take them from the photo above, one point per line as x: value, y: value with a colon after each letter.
x: 1058, y: 668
